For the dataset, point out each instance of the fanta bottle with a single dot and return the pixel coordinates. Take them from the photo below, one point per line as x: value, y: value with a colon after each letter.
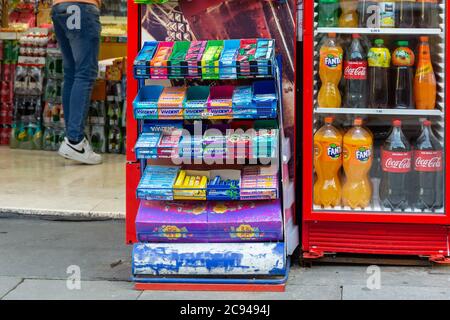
x: 330, y: 71
x: 425, y: 80
x: 327, y: 162
x: 349, y: 16
x: 358, y: 156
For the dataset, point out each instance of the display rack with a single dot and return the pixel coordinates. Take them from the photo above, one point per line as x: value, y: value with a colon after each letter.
x: 224, y: 230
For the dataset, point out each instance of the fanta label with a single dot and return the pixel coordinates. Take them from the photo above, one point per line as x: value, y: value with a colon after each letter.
x: 363, y: 154
x: 327, y: 151
x: 396, y: 162
x: 428, y: 161
x: 333, y: 60
x: 334, y: 151
x: 355, y: 70
x: 357, y: 154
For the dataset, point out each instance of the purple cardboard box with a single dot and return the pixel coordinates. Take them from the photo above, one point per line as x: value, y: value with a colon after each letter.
x: 214, y: 221
x: 167, y: 221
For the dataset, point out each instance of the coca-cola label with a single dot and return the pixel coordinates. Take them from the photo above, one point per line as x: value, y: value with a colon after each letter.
x: 396, y: 161
x: 428, y: 161
x: 355, y: 70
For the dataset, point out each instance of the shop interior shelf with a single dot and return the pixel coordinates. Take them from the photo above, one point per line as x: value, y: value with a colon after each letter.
x: 399, y: 31
x: 387, y: 112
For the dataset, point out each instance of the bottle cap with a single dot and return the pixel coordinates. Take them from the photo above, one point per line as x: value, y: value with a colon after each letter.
x: 397, y: 123
x: 402, y: 43
x: 427, y: 123
x: 356, y: 36
x: 379, y: 42
x: 332, y: 35
x: 358, y: 122
x: 424, y: 39
x: 329, y: 120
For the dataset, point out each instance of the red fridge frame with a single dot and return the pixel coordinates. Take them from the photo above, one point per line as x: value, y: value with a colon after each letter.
x: 133, y: 166
x: 365, y: 233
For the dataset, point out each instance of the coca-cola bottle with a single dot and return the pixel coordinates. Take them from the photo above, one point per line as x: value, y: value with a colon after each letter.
x: 395, y: 169
x: 355, y: 75
x: 428, y: 170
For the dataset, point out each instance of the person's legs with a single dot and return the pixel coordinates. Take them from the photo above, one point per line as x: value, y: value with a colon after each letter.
x: 85, y: 46
x: 77, y: 27
x: 59, y: 17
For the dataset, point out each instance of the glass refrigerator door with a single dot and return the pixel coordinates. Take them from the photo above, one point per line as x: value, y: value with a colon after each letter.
x: 379, y: 103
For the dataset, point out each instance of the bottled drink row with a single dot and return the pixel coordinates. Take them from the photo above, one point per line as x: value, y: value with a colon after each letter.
x: 379, y: 13
x: 376, y: 78
x: 411, y: 174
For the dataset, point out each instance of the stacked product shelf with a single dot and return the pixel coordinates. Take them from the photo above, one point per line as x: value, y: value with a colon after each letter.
x: 210, y: 184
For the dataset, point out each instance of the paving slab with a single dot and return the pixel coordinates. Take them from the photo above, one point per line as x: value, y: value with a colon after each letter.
x: 396, y: 293
x: 7, y: 284
x: 35, y: 248
x: 358, y: 275
x: 57, y: 290
x: 292, y: 293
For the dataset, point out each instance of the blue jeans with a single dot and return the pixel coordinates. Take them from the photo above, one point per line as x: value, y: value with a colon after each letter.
x: 77, y: 29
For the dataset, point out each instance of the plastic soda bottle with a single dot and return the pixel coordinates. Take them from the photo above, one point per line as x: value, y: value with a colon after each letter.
x: 349, y: 17
x: 396, y: 158
x: 330, y: 71
x: 379, y: 59
x: 327, y: 163
x: 358, y: 157
x: 328, y: 13
x: 425, y: 80
x: 403, y: 60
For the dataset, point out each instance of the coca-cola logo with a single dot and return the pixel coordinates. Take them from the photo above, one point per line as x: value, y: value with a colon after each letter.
x: 397, y: 162
x: 428, y: 161
x: 355, y: 70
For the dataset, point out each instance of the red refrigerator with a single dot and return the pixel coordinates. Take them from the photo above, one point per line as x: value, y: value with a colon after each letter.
x: 395, y: 109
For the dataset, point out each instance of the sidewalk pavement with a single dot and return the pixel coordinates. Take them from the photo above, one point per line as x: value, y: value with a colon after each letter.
x: 35, y: 255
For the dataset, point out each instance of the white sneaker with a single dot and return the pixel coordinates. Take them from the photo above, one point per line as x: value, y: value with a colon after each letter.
x: 81, y: 152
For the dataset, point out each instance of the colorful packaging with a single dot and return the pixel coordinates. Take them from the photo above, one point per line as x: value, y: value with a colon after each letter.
x: 191, y: 185
x: 157, y: 183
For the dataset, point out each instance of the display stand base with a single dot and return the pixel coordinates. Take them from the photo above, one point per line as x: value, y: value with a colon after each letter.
x: 210, y: 287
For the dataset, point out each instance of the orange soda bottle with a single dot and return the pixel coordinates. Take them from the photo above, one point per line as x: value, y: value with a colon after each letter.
x: 425, y: 80
x: 330, y: 71
x: 327, y: 163
x: 358, y: 157
x: 349, y: 17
